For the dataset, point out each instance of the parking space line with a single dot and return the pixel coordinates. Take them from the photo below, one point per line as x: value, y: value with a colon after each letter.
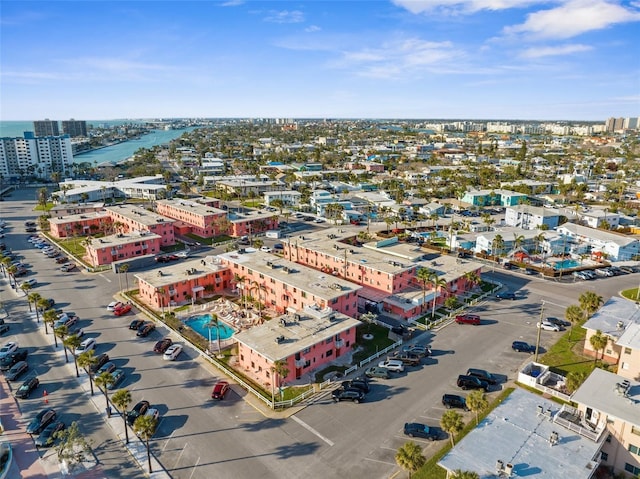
x: 381, y: 462
x: 104, y: 277
x: 312, y: 430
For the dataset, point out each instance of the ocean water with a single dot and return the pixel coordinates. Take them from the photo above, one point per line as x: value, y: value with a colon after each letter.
x: 13, y: 129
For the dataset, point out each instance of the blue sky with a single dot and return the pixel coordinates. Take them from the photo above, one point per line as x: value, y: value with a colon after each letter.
x: 476, y: 59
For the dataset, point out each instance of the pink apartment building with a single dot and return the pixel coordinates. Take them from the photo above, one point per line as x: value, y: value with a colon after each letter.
x: 251, y: 223
x: 305, y: 340
x: 122, y: 246
x: 178, y: 283
x: 82, y: 224
x: 130, y: 218
x: 200, y: 219
x: 281, y: 285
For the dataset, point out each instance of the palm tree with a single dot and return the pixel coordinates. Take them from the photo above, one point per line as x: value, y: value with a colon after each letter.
x: 121, y: 400
x: 451, y: 421
x: 437, y: 283
x: 86, y: 361
x: 42, y: 305
x: 124, y: 268
x: 424, y: 275
x: 460, y: 474
x: 215, y: 323
x: 62, y: 332
x: 279, y: 371
x: 12, y: 270
x: 573, y: 314
x: 599, y: 341
x: 410, y: 458
x: 477, y: 402
x: 497, y: 244
x: 590, y: 302
x: 539, y: 239
x: 472, y: 277
x: 49, y: 316
x: 145, y: 427
x: 33, y: 298
x: 71, y: 343
x: 26, y: 287
x: 575, y: 379
x: 103, y: 381
x: 518, y: 240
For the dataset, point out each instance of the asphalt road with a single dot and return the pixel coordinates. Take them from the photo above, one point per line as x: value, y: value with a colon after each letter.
x: 198, y: 438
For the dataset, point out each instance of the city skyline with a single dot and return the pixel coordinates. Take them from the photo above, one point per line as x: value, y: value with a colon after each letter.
x: 490, y: 59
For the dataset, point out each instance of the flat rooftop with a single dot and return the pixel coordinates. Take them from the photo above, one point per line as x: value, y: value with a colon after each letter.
x: 168, y: 274
x: 615, y: 318
x: 193, y: 207
x: 599, y: 391
x: 313, y: 282
x: 250, y: 215
x: 291, y: 333
x: 57, y: 220
x: 118, y: 239
x: 517, y: 434
x: 141, y: 215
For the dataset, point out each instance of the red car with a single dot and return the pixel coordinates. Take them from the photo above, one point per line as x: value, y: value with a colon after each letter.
x: 219, y: 390
x: 468, y: 319
x: 124, y: 309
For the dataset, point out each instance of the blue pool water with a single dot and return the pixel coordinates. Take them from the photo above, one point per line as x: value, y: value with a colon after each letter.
x: 566, y: 264
x: 199, y: 325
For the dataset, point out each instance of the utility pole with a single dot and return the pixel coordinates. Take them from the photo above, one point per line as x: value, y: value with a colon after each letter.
x: 539, y: 331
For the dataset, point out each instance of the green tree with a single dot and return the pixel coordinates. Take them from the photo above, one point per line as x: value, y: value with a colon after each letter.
x: 49, y: 317
x: 424, y: 275
x: 121, y: 400
x: 214, y: 322
x: 26, y: 287
x: 71, y: 342
x: 145, y: 426
x: 438, y: 284
x: 42, y: 196
x: 103, y: 381
x: 574, y: 315
x: 451, y: 303
x: 460, y: 474
x: 599, y: 341
x: 477, y: 402
x: 451, y: 421
x: 33, y: 299
x: 410, y: 457
x: 124, y: 268
x: 497, y: 245
x: 575, y: 379
x: 87, y: 361
x: 590, y: 302
x: 72, y: 447
x: 62, y: 332
x: 279, y: 371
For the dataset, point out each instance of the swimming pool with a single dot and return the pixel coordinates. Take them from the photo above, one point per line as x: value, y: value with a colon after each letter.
x: 199, y: 325
x: 565, y: 264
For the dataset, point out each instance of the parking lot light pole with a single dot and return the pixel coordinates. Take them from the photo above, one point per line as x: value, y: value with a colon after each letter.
x: 539, y: 331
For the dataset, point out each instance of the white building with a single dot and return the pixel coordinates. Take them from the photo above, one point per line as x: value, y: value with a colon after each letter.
x: 531, y: 217
x: 143, y: 187
x: 288, y: 197
x: 35, y: 156
x: 615, y: 246
x: 596, y: 218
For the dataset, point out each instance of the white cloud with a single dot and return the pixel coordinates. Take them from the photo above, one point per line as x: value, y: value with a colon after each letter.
x: 232, y: 3
x: 574, y: 18
x: 284, y: 16
x: 312, y: 28
x: 461, y: 6
x: 539, y: 52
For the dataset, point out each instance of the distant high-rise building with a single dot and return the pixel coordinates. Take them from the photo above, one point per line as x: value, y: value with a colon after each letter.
x: 35, y: 156
x: 614, y: 124
x: 74, y: 128
x: 46, y: 127
x: 631, y: 123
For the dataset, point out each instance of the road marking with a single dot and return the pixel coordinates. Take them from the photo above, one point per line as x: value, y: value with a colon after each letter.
x: 381, y: 462
x: 104, y: 277
x: 312, y: 430
x: 168, y: 439
x: 180, y: 455
x: 194, y: 467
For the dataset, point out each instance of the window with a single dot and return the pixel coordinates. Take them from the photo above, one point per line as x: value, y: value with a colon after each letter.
x: 627, y: 350
x: 329, y: 352
x: 306, y: 351
x: 634, y: 449
x: 631, y: 468
x: 329, y: 340
x: 604, y: 456
x: 635, y: 430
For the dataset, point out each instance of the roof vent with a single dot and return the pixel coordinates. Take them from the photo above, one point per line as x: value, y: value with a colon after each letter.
x: 620, y: 326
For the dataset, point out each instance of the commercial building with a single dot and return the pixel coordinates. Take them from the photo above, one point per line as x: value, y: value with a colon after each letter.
x: 35, y: 156
x: 613, y: 246
x: 46, y: 128
x: 74, y: 128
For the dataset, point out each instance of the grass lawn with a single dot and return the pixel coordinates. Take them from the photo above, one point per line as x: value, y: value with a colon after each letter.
x: 74, y: 246
x: 209, y: 241
x: 565, y: 356
x: 370, y: 347
x: 46, y: 208
x: 632, y: 294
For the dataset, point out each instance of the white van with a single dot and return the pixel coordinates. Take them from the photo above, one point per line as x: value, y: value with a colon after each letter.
x: 86, y: 345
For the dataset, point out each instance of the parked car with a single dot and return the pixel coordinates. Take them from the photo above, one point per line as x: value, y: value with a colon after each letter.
x: 278, y: 246
x: 162, y: 345
x: 136, y: 323
x: 10, y: 359
x: 471, y: 382
x: 392, y: 365
x: 377, y: 372
x: 77, y: 331
x: 113, y: 305
x: 118, y: 376
x: 65, y: 320
x: 521, y: 346
x: 468, y: 319
x: 482, y: 375
x: 4, y: 328
x: 361, y: 384
x: 409, y: 359
x: 49, y: 303
x: 415, y: 429
x: 172, y: 352
x: 561, y: 323
x: 138, y: 410
x: 31, y: 282
x: 505, y: 295
x: 17, y: 370
x: 101, y: 360
x: 355, y: 395
x: 86, y: 345
x: 454, y: 401
x: 107, y: 367
x: 547, y: 326
x: 41, y: 420
x: 265, y: 249
x: 68, y: 267
x: 8, y: 348
x: 145, y: 330
x: 418, y: 350
x: 27, y: 387
x: 220, y: 390
x: 47, y: 436
x: 121, y: 310
x: 530, y: 271
x: 62, y: 259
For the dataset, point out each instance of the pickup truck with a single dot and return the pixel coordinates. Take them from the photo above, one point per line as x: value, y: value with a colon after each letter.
x: 13, y: 358
x: 406, y: 358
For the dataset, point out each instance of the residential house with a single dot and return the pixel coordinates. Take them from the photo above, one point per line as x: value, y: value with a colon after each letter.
x: 599, y: 218
x: 290, y: 198
x: 614, y: 246
x: 531, y: 217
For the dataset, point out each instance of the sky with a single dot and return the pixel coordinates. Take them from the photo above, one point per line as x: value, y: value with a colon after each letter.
x: 384, y: 59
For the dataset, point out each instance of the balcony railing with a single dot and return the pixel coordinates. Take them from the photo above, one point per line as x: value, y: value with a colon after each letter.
x: 570, y: 418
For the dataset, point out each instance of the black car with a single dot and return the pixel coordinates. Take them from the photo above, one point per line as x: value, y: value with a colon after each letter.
x: 505, y: 295
x: 521, y: 346
x: 47, y: 436
x: 8, y: 361
x: 42, y: 420
x: 558, y: 322
x: 483, y: 375
x: 4, y: 328
x: 17, y: 370
x: 162, y: 345
x: 138, y: 410
x: 145, y: 330
x: 415, y: 429
x: 471, y: 382
x: 454, y: 401
x: 27, y: 388
x: 101, y: 360
x: 355, y: 395
x: 136, y: 323
x: 358, y: 383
